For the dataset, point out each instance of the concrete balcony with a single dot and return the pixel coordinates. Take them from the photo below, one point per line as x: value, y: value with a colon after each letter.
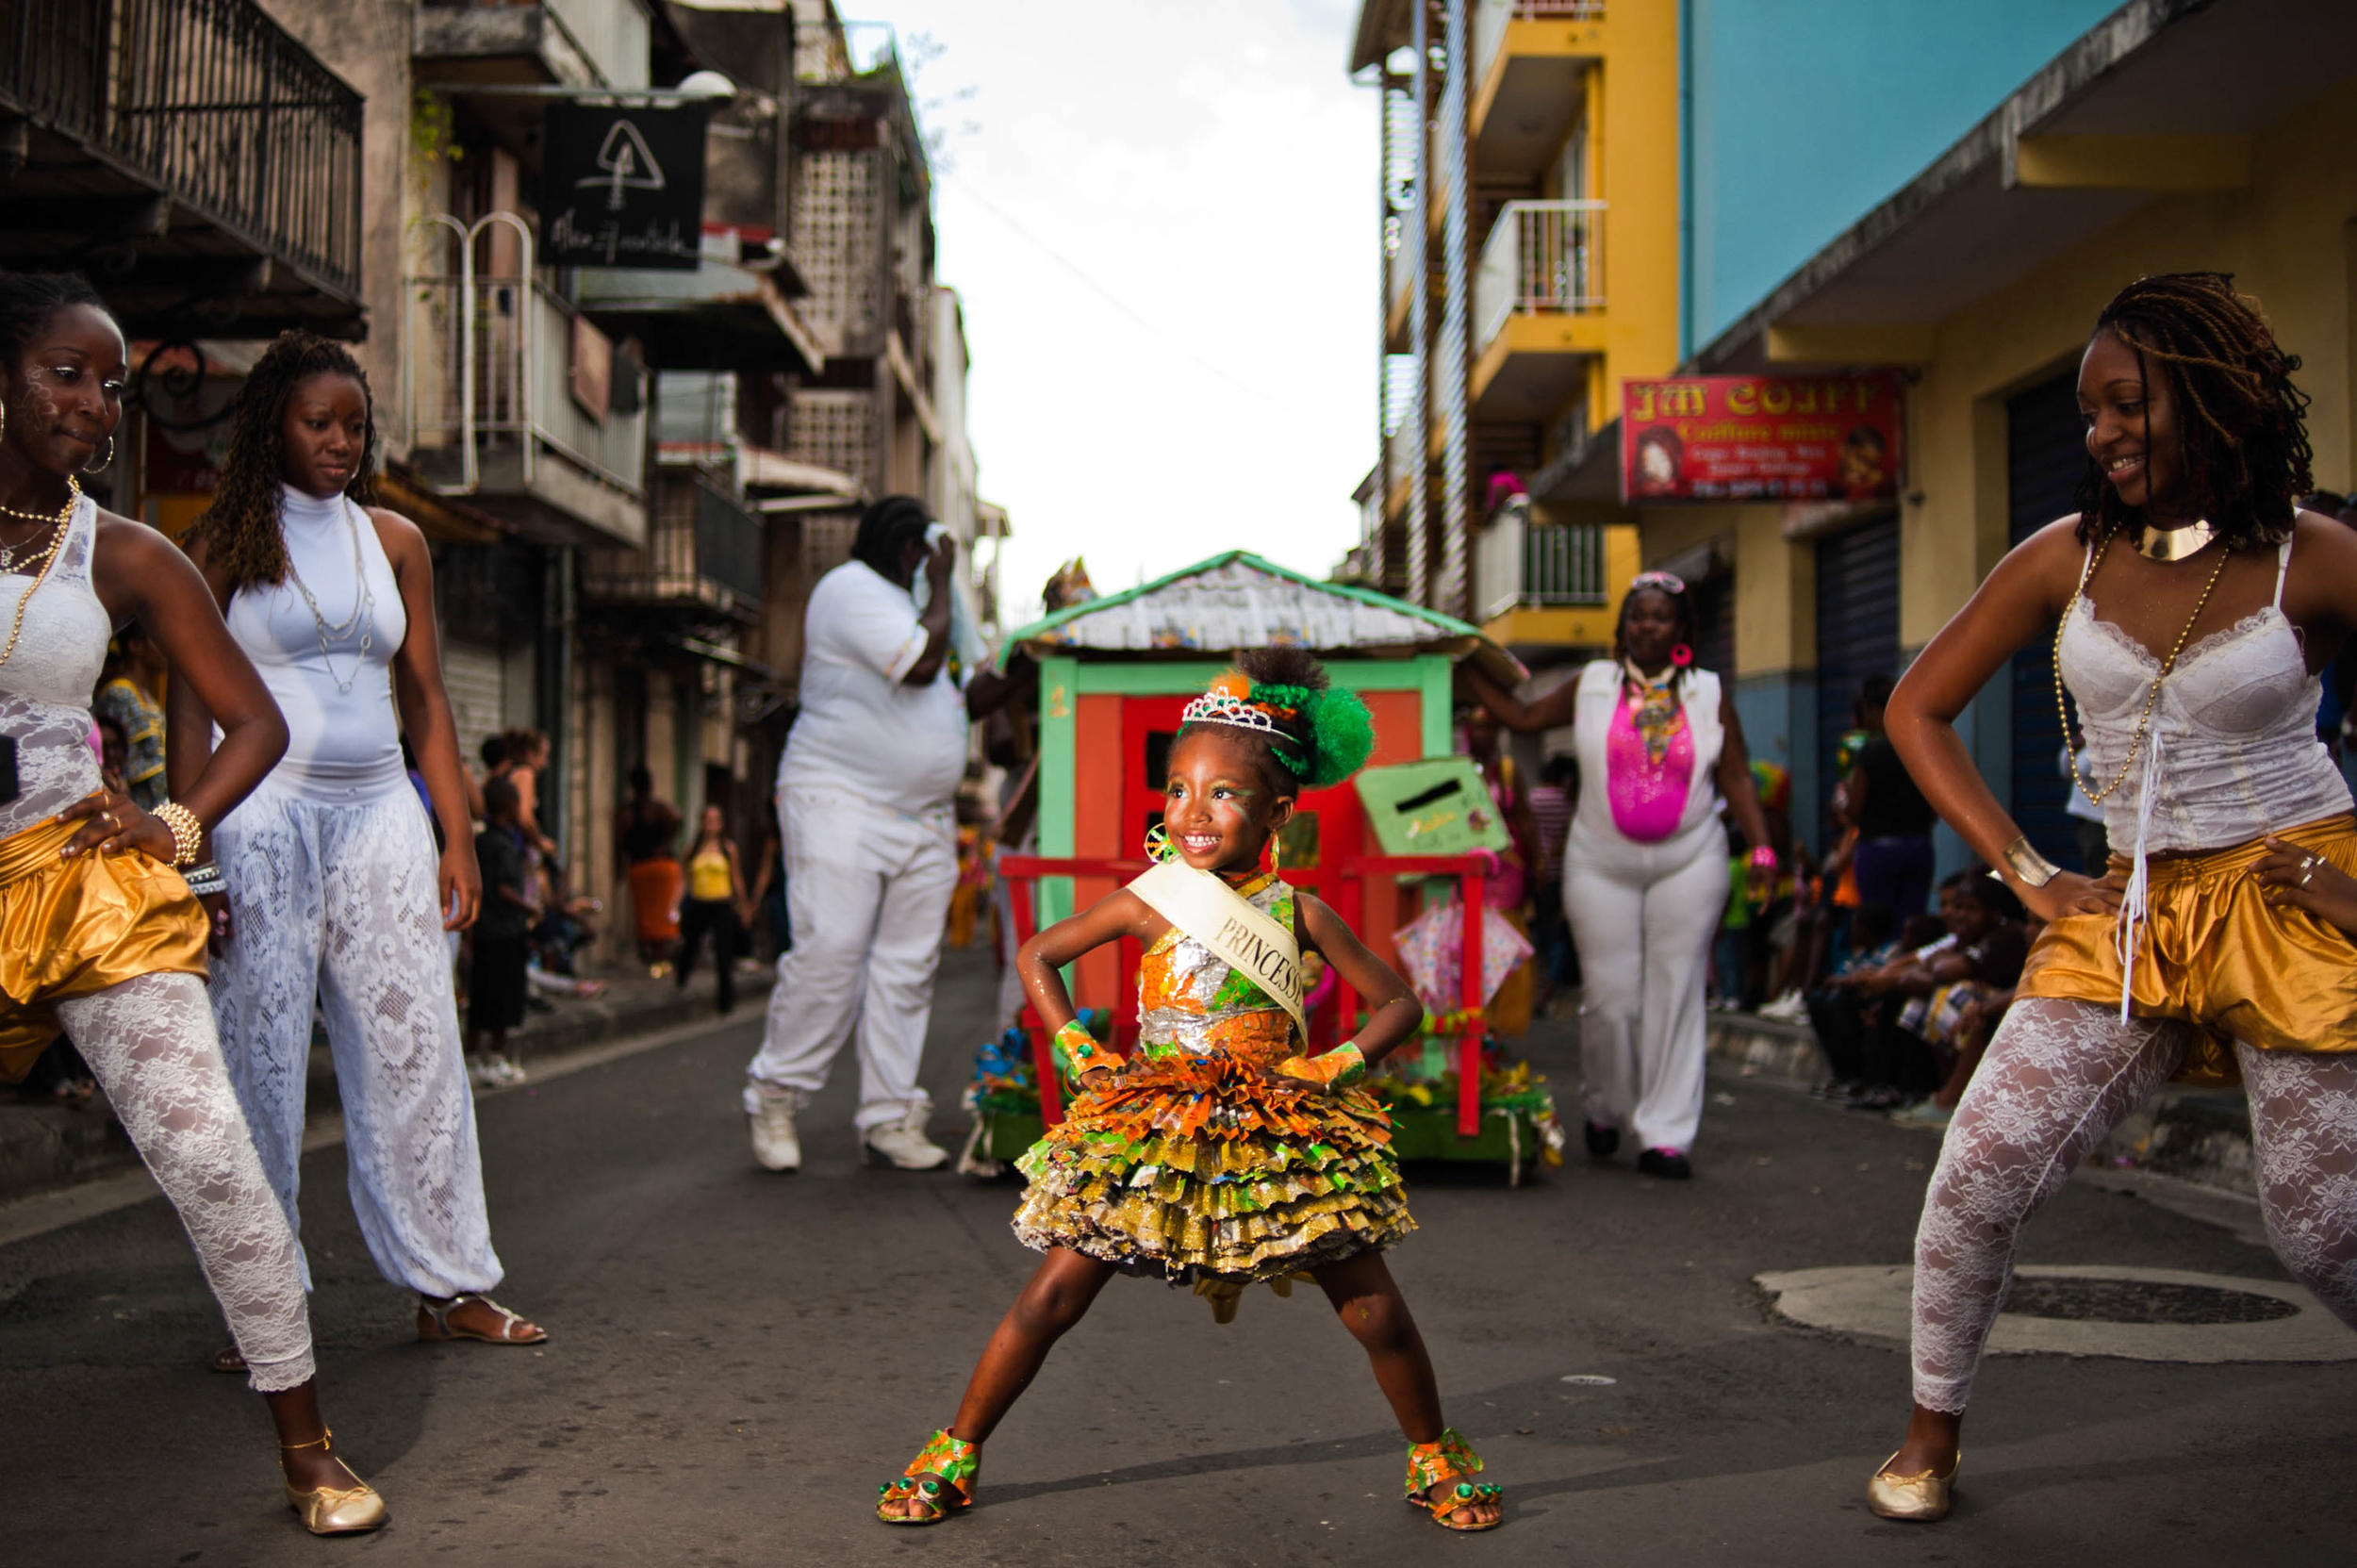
x: 1531, y: 59
x: 559, y: 42
x: 1539, y: 585
x: 517, y: 401
x: 199, y: 164
x: 1538, y: 308
x: 725, y: 315
x: 702, y: 559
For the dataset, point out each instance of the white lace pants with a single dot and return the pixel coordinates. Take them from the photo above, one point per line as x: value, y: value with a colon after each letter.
x: 149, y: 1042
x: 868, y: 889
x: 340, y: 903
x: 2058, y: 1077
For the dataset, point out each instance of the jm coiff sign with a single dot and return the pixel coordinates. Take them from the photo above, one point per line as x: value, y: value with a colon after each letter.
x: 623, y: 187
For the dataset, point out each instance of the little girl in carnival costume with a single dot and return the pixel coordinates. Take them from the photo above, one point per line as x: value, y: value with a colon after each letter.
x: 1220, y: 1154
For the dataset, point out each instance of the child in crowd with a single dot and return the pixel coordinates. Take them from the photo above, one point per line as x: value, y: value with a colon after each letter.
x: 495, y: 995
x: 1224, y: 1154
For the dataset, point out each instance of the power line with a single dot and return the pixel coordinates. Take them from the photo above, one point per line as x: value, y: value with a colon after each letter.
x: 1089, y: 281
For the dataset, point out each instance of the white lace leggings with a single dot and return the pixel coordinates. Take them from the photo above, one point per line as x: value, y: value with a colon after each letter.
x: 2058, y: 1077
x: 149, y: 1043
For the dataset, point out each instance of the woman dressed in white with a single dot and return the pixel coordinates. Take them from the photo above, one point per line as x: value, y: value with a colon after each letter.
x: 1645, y: 865
x: 332, y: 887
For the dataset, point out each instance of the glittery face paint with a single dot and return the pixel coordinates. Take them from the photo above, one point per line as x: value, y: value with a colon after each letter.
x: 65, y: 398
x: 1216, y: 808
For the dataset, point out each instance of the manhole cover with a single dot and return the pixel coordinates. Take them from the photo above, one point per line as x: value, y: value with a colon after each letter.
x: 2085, y: 1300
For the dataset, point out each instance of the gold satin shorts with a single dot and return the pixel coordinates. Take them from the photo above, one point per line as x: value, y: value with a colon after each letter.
x: 71, y: 927
x: 2217, y: 956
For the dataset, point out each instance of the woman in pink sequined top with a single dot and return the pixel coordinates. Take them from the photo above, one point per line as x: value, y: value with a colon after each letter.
x: 1645, y: 867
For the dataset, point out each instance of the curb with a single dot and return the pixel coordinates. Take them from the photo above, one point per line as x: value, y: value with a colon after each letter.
x: 2200, y: 1135
x: 43, y: 1147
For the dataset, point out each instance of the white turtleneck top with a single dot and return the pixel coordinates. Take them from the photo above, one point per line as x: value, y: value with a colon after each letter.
x: 343, y: 739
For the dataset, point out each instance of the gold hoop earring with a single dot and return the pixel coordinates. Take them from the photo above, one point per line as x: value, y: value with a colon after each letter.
x: 102, y: 461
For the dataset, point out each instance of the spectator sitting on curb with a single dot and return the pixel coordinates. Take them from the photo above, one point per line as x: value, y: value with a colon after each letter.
x: 1975, y: 1026
x: 1835, y: 1008
x: 1913, y: 1048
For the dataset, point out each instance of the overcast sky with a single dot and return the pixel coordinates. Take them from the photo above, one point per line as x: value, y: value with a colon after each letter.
x: 1211, y: 168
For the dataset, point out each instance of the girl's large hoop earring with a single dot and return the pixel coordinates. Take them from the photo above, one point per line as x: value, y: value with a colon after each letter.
x: 102, y: 461
x: 3, y: 420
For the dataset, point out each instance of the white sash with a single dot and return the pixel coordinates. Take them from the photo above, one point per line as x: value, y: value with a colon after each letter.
x: 1207, y: 909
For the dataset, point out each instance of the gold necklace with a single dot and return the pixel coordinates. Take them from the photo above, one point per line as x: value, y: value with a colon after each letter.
x: 2171, y: 545
x: 48, y: 560
x: 2152, y: 698
x: 72, y: 499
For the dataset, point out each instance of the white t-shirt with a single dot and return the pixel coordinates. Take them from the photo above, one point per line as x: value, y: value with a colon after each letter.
x: 862, y: 730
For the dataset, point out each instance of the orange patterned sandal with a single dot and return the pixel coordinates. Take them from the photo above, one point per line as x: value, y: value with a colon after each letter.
x: 958, y: 1466
x: 1448, y: 1459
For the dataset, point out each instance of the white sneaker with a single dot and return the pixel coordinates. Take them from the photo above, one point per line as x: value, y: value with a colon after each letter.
x: 775, y: 1145
x: 1790, y: 1008
x: 483, y: 1072
x: 905, y: 1144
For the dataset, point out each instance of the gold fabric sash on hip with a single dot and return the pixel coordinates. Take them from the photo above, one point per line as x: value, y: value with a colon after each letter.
x: 72, y: 927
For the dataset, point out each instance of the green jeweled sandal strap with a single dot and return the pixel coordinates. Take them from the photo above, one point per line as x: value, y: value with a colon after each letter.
x: 1442, y: 1461
x: 944, y: 1461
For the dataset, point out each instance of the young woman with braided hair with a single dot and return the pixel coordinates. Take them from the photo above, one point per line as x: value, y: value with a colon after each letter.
x: 1223, y: 1153
x: 99, y: 935
x: 2192, y: 650
x: 332, y: 887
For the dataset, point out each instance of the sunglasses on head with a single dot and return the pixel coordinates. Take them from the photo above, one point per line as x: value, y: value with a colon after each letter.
x: 1668, y: 580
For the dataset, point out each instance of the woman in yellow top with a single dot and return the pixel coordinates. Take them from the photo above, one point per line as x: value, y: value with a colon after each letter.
x: 714, y: 901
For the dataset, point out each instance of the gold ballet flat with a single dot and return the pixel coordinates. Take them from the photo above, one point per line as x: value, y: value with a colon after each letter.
x: 1922, y: 1498
x: 352, y: 1510
x: 339, y: 1509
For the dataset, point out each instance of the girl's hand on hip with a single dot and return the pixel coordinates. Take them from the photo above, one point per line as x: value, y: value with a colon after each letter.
x: 2070, y: 893
x: 112, y: 825
x: 461, y: 887
x: 2289, y: 876
x: 218, y: 925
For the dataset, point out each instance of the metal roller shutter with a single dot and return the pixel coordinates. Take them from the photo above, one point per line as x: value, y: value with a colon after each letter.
x: 475, y: 676
x: 2045, y: 455
x: 1857, y: 634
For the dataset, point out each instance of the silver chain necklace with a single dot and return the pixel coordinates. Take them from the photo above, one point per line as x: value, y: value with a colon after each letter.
x: 364, y: 601
x: 29, y: 551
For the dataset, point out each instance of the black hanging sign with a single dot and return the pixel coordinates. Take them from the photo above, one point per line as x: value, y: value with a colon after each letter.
x: 623, y: 187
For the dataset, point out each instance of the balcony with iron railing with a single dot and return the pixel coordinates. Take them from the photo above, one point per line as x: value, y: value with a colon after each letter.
x: 1522, y: 564
x: 702, y: 558
x: 1538, y: 305
x: 1531, y: 63
x: 197, y: 139
x: 513, y: 398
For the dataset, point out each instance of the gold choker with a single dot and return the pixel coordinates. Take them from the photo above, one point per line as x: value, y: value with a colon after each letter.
x: 2175, y: 544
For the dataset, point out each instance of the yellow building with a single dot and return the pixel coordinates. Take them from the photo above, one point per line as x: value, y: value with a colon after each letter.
x: 1982, y: 278
x: 1530, y: 263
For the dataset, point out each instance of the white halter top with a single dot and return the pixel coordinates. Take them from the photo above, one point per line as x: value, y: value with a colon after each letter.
x: 344, y: 742
x: 45, y: 686
x: 2231, y: 753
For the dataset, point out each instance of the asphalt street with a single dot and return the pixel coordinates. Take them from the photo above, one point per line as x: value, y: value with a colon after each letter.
x: 738, y: 1358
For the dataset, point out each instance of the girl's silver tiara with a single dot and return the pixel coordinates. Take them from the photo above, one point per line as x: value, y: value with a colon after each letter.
x: 1217, y: 707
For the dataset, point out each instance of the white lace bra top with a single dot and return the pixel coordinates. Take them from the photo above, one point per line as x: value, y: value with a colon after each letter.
x: 2232, y: 752
x: 45, y: 686
x: 330, y: 669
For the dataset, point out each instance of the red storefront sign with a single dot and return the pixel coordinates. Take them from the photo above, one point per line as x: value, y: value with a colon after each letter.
x: 1760, y: 438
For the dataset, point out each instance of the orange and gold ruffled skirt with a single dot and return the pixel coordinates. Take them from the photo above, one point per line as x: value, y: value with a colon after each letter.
x: 72, y: 927
x: 2215, y: 954
x: 1197, y: 1168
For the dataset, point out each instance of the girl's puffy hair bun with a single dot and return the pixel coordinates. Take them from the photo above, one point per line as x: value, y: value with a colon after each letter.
x: 1327, y: 734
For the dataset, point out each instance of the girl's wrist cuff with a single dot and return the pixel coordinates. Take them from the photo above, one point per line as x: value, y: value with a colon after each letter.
x: 1339, y: 1068
x: 1077, y: 1052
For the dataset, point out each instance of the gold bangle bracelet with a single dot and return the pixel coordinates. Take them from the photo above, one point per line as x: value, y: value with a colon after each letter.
x: 187, y: 833
x: 2030, y: 868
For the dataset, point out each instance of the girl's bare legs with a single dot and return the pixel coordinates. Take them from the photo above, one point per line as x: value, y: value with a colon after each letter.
x: 1058, y: 1296
x: 1367, y: 1299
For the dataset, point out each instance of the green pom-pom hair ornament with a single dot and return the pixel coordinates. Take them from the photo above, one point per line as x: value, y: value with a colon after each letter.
x: 1280, y: 695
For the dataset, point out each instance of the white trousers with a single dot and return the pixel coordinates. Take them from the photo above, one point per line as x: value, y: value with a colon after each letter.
x: 1643, y: 915
x: 150, y: 1043
x: 868, y: 890
x: 341, y: 904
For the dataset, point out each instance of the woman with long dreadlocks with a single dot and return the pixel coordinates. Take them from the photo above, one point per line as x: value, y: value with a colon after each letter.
x: 99, y: 934
x: 1645, y: 864
x: 2192, y: 649
x: 332, y: 887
